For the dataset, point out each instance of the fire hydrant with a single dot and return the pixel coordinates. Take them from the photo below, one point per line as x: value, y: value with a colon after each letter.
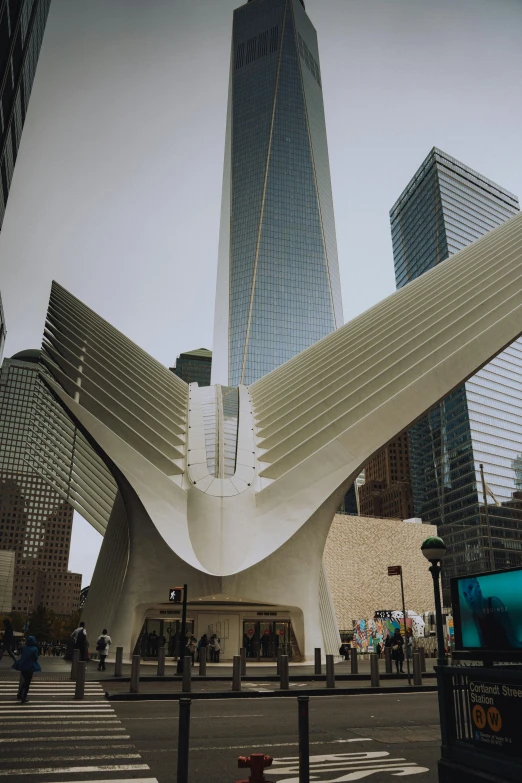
x: 256, y: 762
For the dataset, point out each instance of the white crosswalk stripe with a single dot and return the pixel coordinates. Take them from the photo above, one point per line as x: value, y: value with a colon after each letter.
x: 53, y: 736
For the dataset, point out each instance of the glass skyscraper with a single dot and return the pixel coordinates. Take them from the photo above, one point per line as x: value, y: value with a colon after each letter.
x: 278, y: 288
x: 445, y: 207
x: 22, y: 25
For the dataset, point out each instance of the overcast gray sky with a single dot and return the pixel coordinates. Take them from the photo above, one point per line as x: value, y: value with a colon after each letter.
x: 117, y: 186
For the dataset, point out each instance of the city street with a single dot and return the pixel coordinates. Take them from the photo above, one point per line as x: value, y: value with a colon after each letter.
x: 54, y: 738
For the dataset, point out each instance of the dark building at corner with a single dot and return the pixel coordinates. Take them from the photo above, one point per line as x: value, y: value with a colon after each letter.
x: 35, y: 520
x: 444, y: 208
x: 387, y: 491
x: 194, y: 366
x: 22, y: 25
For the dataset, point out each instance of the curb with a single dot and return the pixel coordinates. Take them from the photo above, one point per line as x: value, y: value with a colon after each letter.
x: 260, y: 678
x: 267, y: 694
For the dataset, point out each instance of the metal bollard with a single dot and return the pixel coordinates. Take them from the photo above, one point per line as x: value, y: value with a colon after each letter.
x: 236, y: 673
x: 284, y: 679
x: 118, y: 663
x: 186, y: 686
x: 135, y: 674
x: 417, y: 671
x: 317, y: 653
x: 79, y: 691
x: 388, y: 660
x: 161, y: 662
x: 304, y: 739
x: 242, y: 655
x: 354, y: 662
x: 278, y: 661
x: 74, y: 665
x: 422, y: 655
x: 330, y: 674
x: 374, y: 671
x: 183, y: 739
x: 203, y: 661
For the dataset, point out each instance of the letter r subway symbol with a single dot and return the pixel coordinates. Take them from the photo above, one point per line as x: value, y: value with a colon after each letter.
x: 479, y: 716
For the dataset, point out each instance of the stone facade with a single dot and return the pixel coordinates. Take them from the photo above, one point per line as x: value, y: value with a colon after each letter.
x: 357, y: 555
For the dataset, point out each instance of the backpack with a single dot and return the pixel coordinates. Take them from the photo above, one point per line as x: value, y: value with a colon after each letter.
x: 101, y: 644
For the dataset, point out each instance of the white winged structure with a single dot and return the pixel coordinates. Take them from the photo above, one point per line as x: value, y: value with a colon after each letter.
x: 233, y: 490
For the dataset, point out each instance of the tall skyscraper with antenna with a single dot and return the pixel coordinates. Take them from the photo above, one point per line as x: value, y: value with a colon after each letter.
x: 278, y: 288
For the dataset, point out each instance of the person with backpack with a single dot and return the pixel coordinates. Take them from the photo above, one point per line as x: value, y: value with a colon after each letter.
x: 103, y: 644
x: 27, y: 664
x: 79, y: 637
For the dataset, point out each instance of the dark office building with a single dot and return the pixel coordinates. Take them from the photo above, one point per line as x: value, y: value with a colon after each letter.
x: 445, y: 207
x: 194, y: 366
x: 22, y: 25
x: 387, y: 490
x: 278, y: 288
x: 35, y: 521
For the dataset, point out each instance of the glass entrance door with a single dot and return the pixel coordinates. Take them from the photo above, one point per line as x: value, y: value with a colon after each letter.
x: 263, y: 638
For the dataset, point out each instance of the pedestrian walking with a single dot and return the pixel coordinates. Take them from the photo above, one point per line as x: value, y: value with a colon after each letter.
x: 397, y: 650
x: 103, y: 644
x: 192, y: 646
x: 214, y: 647
x: 7, y: 640
x: 79, y: 637
x: 27, y: 664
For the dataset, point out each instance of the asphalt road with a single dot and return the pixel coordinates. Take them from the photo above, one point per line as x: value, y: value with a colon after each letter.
x: 53, y: 738
x: 351, y: 737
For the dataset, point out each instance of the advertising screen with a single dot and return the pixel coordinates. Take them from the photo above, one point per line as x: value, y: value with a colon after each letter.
x: 488, y: 611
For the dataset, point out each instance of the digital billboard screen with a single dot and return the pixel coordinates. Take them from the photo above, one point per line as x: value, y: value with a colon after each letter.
x: 487, y: 610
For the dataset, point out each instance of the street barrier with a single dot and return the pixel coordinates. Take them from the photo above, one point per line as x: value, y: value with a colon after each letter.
x: 242, y: 655
x: 330, y: 674
x: 375, y: 679
x: 304, y: 738
x: 317, y: 655
x: 187, y: 674
x: 183, y: 737
x: 354, y: 663
x: 284, y: 679
x: 118, y: 663
x: 135, y: 674
x: 417, y: 671
x: 161, y: 662
x: 203, y: 661
x: 388, y: 660
x: 74, y: 664
x: 236, y: 673
x: 79, y: 690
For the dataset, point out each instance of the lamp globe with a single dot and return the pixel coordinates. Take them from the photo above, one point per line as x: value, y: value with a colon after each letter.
x: 433, y: 549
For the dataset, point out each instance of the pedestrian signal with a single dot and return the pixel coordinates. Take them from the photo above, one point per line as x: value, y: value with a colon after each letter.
x: 176, y: 595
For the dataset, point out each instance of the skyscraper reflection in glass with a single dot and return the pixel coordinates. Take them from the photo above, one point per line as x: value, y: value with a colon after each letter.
x: 445, y: 207
x: 278, y: 288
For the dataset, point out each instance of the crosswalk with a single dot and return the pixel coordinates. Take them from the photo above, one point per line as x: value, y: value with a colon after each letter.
x: 56, y: 739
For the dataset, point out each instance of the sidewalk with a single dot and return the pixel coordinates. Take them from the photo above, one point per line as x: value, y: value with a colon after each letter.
x: 57, y: 668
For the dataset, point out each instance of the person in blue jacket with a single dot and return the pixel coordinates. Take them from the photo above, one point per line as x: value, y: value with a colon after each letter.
x: 27, y: 664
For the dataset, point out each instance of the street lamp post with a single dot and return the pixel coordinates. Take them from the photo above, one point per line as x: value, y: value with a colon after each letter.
x: 434, y: 549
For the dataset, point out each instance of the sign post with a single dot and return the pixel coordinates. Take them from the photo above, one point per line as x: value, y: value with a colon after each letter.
x: 397, y: 571
x: 176, y: 596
